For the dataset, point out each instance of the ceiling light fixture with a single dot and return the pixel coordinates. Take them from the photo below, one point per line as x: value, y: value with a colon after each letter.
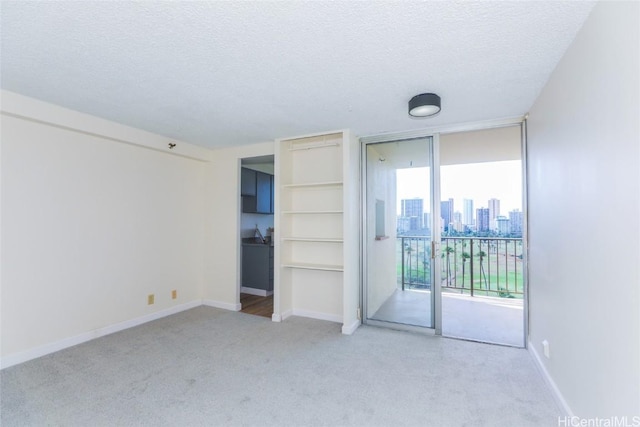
x: 424, y: 105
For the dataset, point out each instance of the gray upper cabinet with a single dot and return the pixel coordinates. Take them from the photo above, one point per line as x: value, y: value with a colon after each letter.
x: 248, y: 182
x: 273, y: 203
x: 257, y: 192
x: 263, y: 184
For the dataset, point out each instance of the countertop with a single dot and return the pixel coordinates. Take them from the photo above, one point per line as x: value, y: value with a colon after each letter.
x: 251, y: 242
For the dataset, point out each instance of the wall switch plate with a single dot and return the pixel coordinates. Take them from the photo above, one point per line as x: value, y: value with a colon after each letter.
x: 150, y: 299
x: 545, y: 348
x: 174, y: 294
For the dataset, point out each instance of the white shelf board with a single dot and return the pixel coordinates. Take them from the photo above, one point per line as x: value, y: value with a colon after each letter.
x: 313, y: 239
x: 314, y: 184
x: 310, y: 212
x: 310, y: 144
x: 306, y: 266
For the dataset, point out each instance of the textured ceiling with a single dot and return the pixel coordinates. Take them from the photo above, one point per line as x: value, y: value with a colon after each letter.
x: 225, y: 73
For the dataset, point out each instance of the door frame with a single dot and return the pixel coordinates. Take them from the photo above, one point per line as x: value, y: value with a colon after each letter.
x: 436, y: 317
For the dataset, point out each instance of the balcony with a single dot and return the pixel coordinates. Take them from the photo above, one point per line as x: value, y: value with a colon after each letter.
x: 476, y: 266
x: 481, y: 281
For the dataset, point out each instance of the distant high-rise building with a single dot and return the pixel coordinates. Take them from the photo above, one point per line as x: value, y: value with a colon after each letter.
x: 403, y: 224
x: 502, y: 225
x: 494, y: 208
x: 413, y: 208
x: 457, y: 225
x: 467, y: 213
x: 482, y: 219
x: 457, y: 222
x: 515, y: 222
x: 427, y: 220
x: 494, y: 212
x: 446, y: 212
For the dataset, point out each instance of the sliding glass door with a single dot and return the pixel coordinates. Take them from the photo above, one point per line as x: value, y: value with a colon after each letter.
x: 444, y: 235
x: 399, y: 231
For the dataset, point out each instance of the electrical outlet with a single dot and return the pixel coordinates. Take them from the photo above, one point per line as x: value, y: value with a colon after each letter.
x: 150, y: 299
x: 545, y: 349
x: 174, y: 294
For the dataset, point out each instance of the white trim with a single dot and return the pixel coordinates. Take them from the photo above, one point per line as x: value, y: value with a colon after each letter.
x: 257, y: 292
x: 436, y: 234
x: 316, y: 315
x: 363, y: 246
x: 350, y: 329
x: 402, y: 327
x: 286, y: 314
x: 223, y: 305
x: 525, y: 228
x: 276, y: 318
x: 421, y: 133
x: 312, y: 135
x: 555, y: 391
x: 24, y: 356
x: 23, y: 107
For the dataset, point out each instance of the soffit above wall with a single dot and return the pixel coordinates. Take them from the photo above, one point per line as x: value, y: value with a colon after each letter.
x: 488, y: 145
x: 231, y: 73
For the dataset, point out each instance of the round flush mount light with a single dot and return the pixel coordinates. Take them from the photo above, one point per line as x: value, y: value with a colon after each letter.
x: 424, y: 105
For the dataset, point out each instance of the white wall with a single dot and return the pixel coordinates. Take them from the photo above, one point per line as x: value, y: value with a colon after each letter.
x: 584, y: 217
x: 222, y: 235
x: 91, y: 225
x: 381, y: 258
x: 351, y: 317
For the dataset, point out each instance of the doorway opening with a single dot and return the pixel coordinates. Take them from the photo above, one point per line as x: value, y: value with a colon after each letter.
x: 256, y: 227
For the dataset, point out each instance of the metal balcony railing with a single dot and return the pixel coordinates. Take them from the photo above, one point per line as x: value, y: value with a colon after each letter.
x: 488, y: 266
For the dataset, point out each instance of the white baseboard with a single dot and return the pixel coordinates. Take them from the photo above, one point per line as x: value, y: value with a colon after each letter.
x: 285, y: 314
x: 316, y: 315
x: 276, y: 317
x: 223, y: 305
x: 350, y: 329
x: 555, y: 391
x: 257, y: 292
x: 24, y: 356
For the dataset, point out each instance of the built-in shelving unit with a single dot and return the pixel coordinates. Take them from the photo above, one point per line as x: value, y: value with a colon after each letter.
x: 314, y: 207
x: 321, y: 267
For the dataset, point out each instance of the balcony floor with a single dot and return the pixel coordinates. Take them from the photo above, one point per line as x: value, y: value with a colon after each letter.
x: 493, y: 320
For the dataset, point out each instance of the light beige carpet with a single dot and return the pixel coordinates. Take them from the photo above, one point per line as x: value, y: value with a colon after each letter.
x: 211, y: 367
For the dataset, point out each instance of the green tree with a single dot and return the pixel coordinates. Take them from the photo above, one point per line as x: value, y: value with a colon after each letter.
x: 482, y: 255
x: 465, y: 258
x: 409, y: 250
x: 448, y: 251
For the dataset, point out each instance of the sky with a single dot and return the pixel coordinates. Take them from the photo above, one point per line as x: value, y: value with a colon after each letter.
x: 477, y: 181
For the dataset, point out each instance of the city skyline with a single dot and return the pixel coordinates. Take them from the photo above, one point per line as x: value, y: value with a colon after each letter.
x: 485, y: 220
x: 479, y: 182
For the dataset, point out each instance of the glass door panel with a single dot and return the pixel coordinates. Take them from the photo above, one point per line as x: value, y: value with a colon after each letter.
x: 398, y: 278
